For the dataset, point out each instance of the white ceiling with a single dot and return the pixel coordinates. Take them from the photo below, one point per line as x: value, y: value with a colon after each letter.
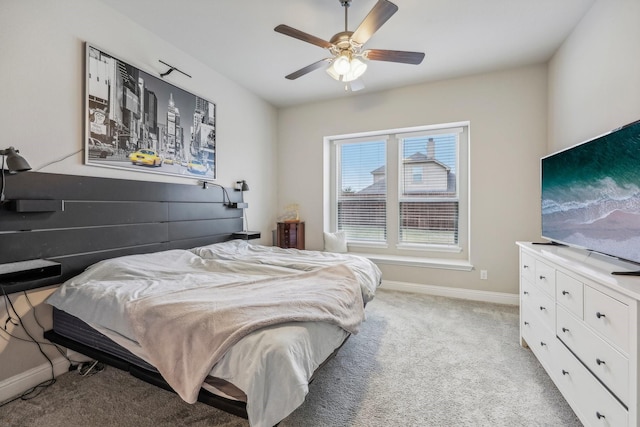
x: 460, y: 37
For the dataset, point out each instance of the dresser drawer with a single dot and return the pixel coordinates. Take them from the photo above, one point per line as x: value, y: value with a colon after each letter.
x: 545, y: 277
x: 540, y: 304
x: 540, y: 339
x: 608, y: 316
x: 569, y: 293
x: 608, y: 364
x: 528, y: 324
x: 593, y: 404
x: 527, y: 267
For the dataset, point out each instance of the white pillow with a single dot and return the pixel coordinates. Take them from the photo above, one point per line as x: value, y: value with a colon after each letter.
x: 335, y: 242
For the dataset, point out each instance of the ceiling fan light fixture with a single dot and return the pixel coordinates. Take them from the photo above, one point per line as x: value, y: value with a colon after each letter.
x: 341, y: 65
x: 345, y: 69
x: 333, y: 73
x: 356, y: 70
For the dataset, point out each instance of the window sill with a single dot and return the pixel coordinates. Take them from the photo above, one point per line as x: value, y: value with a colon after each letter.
x: 409, y: 261
x: 435, y: 248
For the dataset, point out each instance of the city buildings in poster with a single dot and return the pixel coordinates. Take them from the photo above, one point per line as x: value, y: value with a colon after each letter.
x: 140, y: 122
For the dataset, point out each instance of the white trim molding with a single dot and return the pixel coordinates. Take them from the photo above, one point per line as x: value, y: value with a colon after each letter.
x: 443, y: 291
x: 18, y: 384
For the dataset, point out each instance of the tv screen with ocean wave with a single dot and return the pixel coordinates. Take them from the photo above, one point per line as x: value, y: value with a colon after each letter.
x: 591, y: 194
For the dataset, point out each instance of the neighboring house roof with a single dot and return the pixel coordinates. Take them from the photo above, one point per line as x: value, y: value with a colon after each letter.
x: 423, y: 158
x: 378, y: 171
x: 378, y: 187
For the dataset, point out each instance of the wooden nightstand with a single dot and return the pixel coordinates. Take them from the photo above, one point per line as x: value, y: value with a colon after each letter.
x: 290, y: 235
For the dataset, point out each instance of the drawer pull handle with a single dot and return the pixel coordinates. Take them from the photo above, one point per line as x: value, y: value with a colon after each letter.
x: 565, y: 330
x: 565, y: 372
x: 542, y: 344
x: 542, y: 277
x: 600, y: 362
x: 565, y: 292
x: 526, y: 293
x: 525, y: 266
x: 599, y: 315
x: 526, y: 323
x: 542, y: 308
x: 599, y: 415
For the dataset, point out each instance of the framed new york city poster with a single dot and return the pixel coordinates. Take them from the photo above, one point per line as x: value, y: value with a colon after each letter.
x: 139, y: 122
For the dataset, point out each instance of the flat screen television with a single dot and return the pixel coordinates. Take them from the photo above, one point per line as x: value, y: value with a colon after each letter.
x: 591, y: 194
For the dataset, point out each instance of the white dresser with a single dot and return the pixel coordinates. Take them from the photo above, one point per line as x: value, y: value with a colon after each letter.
x: 581, y: 322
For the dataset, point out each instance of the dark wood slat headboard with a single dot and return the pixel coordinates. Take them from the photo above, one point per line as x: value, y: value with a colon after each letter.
x: 105, y: 218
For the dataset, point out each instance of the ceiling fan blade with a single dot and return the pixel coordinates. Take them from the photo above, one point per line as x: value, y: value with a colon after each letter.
x: 394, y: 56
x: 381, y: 12
x: 309, y: 68
x: 300, y: 35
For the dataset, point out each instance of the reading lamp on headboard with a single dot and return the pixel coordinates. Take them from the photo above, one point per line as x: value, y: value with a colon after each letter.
x: 228, y: 203
x: 15, y: 163
x: 242, y: 186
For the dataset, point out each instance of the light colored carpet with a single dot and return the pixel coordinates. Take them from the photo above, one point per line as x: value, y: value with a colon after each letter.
x: 418, y: 361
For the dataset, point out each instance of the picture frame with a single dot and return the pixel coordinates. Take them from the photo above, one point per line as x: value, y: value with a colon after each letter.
x: 137, y: 121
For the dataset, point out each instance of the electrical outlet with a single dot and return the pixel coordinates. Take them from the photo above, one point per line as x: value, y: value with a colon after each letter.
x: 483, y: 274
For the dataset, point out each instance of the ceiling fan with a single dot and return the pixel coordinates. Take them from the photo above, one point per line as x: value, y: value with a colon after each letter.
x: 346, y: 47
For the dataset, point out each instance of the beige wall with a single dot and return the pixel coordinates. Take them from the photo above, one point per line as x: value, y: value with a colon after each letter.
x: 507, y: 114
x: 41, y: 114
x: 594, y: 79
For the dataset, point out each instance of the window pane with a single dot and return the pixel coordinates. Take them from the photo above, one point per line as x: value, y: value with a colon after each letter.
x: 428, y: 166
x: 429, y: 194
x: 434, y: 223
x: 362, y: 190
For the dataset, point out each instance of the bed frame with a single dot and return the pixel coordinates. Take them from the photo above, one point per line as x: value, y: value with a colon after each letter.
x: 136, y: 369
x: 79, y: 220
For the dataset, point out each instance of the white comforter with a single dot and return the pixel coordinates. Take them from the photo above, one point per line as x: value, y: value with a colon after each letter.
x: 274, y: 378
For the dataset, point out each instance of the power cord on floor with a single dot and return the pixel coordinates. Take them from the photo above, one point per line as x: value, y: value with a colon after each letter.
x: 62, y: 352
x: 90, y: 368
x: 84, y: 368
x: 16, y: 320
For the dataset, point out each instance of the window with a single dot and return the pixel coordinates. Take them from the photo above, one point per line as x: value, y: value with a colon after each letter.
x: 429, y: 206
x: 362, y: 195
x: 417, y: 174
x: 401, y: 192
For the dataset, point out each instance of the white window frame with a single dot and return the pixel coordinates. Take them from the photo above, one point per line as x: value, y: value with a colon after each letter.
x: 451, y: 256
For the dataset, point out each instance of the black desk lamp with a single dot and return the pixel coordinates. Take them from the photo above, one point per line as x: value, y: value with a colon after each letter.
x: 15, y: 163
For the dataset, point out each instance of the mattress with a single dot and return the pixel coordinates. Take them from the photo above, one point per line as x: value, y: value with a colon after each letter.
x: 75, y: 329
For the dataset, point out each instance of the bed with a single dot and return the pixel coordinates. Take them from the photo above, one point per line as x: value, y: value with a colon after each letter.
x: 91, y: 225
x: 303, y: 305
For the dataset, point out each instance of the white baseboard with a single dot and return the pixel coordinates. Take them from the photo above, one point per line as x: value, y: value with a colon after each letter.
x: 18, y: 384
x: 470, y: 294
